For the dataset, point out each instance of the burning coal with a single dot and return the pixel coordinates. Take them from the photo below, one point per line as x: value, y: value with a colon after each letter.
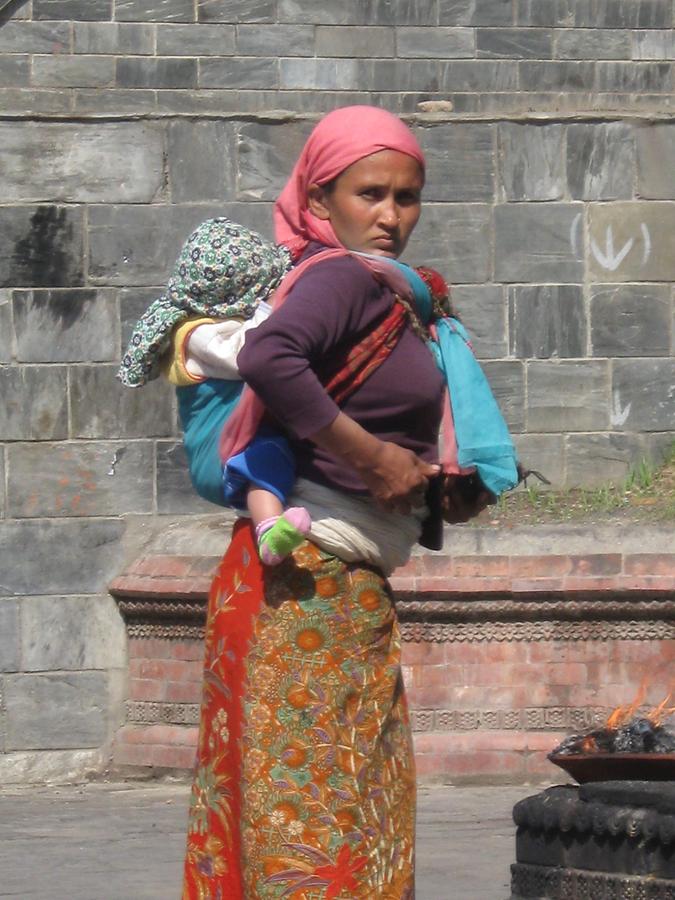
x: 626, y: 731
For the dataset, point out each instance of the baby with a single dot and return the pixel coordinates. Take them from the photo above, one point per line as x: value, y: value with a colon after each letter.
x: 218, y: 290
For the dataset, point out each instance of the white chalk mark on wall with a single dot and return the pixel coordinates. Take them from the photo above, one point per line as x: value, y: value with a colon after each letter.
x: 608, y: 259
x: 574, y: 232
x: 646, y: 237
x: 618, y: 414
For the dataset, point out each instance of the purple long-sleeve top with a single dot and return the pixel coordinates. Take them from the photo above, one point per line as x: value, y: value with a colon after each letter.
x: 331, y: 307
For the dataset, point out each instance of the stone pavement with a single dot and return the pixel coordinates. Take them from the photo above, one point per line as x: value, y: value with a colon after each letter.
x: 125, y: 841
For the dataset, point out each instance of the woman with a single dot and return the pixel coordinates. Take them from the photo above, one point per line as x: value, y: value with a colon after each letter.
x: 305, y: 784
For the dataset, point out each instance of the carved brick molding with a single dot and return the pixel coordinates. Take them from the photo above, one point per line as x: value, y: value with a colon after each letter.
x: 437, y: 620
x: 544, y: 883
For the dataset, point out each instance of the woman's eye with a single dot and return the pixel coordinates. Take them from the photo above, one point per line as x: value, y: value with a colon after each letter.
x: 408, y: 199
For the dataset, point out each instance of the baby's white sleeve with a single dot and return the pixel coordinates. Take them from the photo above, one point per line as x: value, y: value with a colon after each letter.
x: 211, y: 350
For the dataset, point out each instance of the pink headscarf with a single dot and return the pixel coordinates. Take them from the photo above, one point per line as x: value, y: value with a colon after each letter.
x: 341, y: 138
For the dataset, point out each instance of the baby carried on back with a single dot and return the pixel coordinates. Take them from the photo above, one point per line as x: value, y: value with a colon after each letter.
x: 227, y: 280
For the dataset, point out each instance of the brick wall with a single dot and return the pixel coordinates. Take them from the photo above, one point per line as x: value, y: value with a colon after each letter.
x: 550, y: 205
x: 503, y: 655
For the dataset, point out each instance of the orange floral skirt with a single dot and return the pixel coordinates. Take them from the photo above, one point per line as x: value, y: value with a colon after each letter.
x: 305, y: 781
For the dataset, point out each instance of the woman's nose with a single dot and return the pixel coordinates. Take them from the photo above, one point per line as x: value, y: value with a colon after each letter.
x: 389, y: 215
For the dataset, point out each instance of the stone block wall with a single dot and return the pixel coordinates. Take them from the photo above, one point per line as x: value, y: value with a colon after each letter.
x: 550, y: 205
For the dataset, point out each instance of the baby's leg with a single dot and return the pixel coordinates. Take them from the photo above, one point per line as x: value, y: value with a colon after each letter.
x: 278, y: 532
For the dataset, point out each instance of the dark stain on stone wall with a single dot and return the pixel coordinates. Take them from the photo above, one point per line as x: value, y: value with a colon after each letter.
x: 46, y: 256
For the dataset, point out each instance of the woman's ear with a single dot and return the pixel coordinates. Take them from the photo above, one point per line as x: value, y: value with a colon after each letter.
x: 316, y: 202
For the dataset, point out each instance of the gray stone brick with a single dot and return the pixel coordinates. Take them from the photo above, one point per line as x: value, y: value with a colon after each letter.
x: 593, y: 43
x: 133, y: 303
x: 206, y: 102
x: 42, y: 246
x: 102, y: 408
x: 240, y: 73
x: 630, y: 320
x: 367, y: 12
x: 402, y: 12
x: 14, y: 71
x: 269, y: 40
x: 600, y: 161
x: 212, y: 143
x: 454, y: 239
x: 236, y: 10
x: 631, y: 242
x: 22, y: 101
x: 460, y: 162
x: 66, y: 556
x: 643, y: 394
x: 52, y: 766
x: 532, y: 243
x: 100, y: 162
x: 35, y: 37
x: 137, y: 245
x: 547, y: 321
x: 75, y: 479
x: 545, y: 453
x: 597, y: 459
x: 508, y: 385
x: 175, y: 493
x: 87, y: 10
x: 557, y: 75
x: 567, y: 396
x: 483, y: 311
x: 645, y: 77
x: 435, y: 43
x: 23, y: 10
x: 621, y: 13
x: 266, y: 156
x: 142, y: 72
x: 65, y: 326
x: 155, y: 10
x: 475, y: 12
x: 321, y: 74
x: 71, y: 633
x: 9, y: 635
x: 56, y: 710
x: 6, y: 327
x: 656, y: 161
x: 129, y: 103
x: 113, y: 38
x: 354, y: 40
x: 73, y: 71
x: 477, y: 75
x: 658, y: 446
x: 518, y: 43
x: 34, y: 403
x: 195, y: 40
x: 653, y: 44
x: 531, y: 166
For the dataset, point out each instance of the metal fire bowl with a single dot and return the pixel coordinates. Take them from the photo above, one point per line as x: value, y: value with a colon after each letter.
x: 617, y: 766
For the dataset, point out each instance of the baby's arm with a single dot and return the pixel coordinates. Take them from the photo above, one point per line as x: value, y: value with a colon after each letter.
x: 210, y: 350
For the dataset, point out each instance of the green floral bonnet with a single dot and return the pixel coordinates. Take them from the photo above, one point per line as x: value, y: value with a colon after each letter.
x: 224, y: 270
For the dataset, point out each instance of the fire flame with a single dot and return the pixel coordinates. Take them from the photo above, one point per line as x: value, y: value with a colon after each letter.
x: 623, y: 714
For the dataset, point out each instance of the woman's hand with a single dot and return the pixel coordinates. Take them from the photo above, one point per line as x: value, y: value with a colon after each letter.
x: 463, y: 498
x: 396, y: 478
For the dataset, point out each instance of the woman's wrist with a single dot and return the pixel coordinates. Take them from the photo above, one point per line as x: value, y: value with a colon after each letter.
x: 352, y: 443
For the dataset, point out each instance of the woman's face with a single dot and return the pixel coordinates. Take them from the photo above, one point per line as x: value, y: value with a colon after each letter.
x: 374, y: 204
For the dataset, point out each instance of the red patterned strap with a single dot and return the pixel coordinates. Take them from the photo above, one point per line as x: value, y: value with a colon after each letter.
x: 362, y: 360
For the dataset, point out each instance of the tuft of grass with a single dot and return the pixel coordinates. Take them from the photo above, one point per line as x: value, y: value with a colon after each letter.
x: 647, y: 492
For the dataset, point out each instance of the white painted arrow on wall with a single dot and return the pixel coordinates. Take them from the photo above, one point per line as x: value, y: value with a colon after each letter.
x: 607, y: 258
